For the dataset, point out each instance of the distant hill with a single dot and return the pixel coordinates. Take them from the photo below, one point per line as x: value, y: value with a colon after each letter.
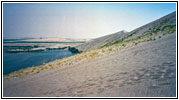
x: 56, y: 40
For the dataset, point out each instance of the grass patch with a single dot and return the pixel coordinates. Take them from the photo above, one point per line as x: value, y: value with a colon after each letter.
x: 136, y: 43
x: 93, y: 54
x: 110, y: 49
x: 38, y: 71
x: 103, y: 50
x: 123, y: 45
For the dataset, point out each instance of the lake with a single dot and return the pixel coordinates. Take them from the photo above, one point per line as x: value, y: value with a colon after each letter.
x: 16, y: 61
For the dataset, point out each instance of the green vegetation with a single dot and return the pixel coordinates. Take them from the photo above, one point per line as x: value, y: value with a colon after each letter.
x: 51, y: 66
x: 123, y: 45
x: 110, y: 49
x: 93, y: 54
x: 148, y: 36
x: 154, y: 39
x: 38, y: 71
x: 120, y: 40
x: 103, y: 50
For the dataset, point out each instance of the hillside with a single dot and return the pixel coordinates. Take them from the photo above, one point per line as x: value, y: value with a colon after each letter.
x: 163, y: 23
x: 98, y: 42
x: 141, y: 63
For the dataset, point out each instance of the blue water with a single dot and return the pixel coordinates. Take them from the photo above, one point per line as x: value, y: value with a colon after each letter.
x: 16, y: 61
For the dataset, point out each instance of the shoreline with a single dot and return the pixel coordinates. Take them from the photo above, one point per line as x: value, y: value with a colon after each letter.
x: 39, y: 48
x: 80, y: 56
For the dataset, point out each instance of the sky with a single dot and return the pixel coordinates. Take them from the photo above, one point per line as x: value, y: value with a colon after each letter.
x: 78, y: 20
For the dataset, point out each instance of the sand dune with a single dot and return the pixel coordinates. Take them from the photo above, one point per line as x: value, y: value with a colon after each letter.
x: 119, y: 74
x: 143, y: 64
x: 154, y: 26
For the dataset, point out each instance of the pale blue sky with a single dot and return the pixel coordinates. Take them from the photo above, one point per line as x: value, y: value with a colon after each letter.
x: 78, y: 20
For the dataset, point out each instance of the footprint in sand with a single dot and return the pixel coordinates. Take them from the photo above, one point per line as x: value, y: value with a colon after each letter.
x: 164, y: 83
x: 100, y: 90
x: 109, y: 86
x: 153, y: 86
x: 110, y: 80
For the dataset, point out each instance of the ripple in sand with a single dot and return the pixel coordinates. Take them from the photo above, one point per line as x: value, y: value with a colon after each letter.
x: 155, y: 77
x: 153, y: 86
x: 164, y: 83
x: 135, y: 78
x: 108, y: 86
x: 100, y: 90
x: 124, y: 73
x: 121, y: 85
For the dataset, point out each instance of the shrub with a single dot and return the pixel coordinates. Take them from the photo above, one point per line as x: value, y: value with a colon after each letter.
x: 70, y: 63
x: 139, y: 37
x: 58, y: 63
x: 103, y: 50
x: 38, y: 71
x: 50, y: 65
x: 26, y: 73
x: 123, y: 45
x: 20, y: 75
x: 93, y: 54
x: 42, y: 68
x: 110, y: 49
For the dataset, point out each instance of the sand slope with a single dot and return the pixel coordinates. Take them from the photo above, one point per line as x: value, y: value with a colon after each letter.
x: 148, y: 69
x: 151, y: 27
x: 98, y: 42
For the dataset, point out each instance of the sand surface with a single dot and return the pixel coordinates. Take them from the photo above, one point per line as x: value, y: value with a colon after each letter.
x: 145, y: 70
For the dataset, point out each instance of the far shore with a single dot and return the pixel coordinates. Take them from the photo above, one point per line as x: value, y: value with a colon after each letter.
x: 57, y: 39
x: 43, y: 44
